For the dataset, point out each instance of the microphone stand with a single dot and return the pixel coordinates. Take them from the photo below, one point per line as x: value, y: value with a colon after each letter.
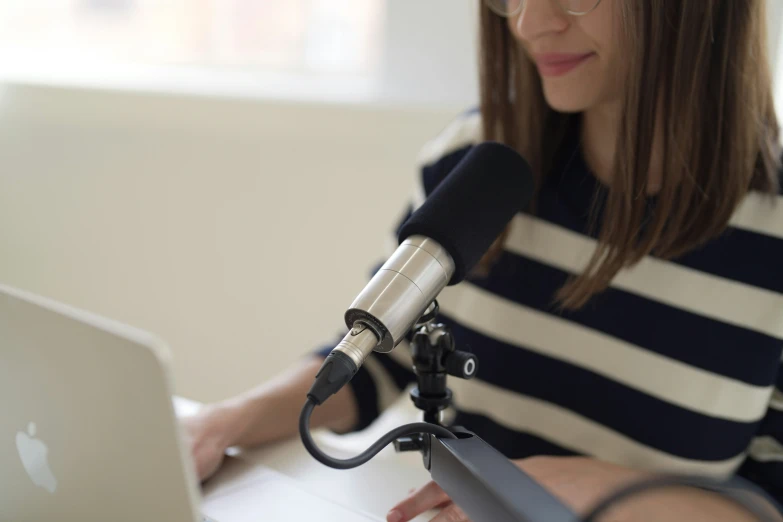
x: 478, y: 478
x: 486, y: 485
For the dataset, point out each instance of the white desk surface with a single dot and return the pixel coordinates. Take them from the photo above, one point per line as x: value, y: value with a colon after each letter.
x: 373, y: 488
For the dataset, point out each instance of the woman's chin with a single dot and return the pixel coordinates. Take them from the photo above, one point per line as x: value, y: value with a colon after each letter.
x: 567, y: 100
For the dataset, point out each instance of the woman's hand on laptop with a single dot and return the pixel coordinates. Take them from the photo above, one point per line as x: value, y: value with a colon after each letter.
x: 210, y: 433
x: 265, y: 414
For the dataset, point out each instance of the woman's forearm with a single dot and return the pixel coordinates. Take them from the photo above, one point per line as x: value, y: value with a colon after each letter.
x: 684, y: 504
x: 270, y: 412
x: 583, y: 482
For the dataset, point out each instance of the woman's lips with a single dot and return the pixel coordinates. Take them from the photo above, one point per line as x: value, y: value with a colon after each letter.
x: 558, y: 64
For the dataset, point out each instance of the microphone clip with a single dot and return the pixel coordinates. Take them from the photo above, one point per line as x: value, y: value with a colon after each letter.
x: 434, y: 358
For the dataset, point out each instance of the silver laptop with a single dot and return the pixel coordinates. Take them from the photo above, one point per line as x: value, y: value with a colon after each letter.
x: 88, y: 430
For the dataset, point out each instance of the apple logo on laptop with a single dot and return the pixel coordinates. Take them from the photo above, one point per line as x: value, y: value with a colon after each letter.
x: 35, y: 458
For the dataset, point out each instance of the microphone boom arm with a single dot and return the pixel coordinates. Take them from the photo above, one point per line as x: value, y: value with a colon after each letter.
x: 489, y: 487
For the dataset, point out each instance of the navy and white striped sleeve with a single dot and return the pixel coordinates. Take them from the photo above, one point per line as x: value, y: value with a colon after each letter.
x: 764, y: 463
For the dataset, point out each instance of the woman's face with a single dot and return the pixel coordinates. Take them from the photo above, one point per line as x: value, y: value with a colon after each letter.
x: 578, y: 57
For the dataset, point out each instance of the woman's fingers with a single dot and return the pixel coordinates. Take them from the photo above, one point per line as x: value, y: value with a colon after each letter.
x: 451, y: 513
x: 425, y: 498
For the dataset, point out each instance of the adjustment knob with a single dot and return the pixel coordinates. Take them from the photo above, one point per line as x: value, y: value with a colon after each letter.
x: 462, y: 364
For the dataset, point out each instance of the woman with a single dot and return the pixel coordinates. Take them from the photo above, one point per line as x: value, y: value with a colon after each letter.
x: 632, y: 323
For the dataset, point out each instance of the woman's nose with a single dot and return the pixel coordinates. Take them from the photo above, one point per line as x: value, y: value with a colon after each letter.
x: 538, y: 18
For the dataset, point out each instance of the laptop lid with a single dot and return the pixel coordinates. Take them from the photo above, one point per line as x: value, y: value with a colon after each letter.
x: 87, y: 430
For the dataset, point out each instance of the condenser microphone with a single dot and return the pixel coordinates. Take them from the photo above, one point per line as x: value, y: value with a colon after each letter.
x: 439, y: 245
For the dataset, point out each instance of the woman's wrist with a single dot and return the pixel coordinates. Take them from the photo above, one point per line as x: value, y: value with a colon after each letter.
x: 239, y: 415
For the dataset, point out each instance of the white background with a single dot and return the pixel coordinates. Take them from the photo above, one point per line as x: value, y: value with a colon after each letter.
x: 230, y: 199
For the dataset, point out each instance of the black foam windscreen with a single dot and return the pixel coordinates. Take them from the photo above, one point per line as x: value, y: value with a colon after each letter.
x: 470, y: 208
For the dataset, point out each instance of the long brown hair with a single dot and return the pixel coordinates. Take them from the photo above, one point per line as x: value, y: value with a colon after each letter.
x: 700, y: 70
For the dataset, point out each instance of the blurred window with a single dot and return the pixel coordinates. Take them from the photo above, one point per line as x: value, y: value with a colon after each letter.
x: 296, y: 36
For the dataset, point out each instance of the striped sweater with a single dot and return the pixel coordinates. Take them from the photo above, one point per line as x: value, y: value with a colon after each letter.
x: 674, y: 368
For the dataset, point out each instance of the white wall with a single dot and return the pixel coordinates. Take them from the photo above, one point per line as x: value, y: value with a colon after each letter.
x: 774, y: 20
x: 430, y: 52
x: 231, y: 216
x: 238, y: 230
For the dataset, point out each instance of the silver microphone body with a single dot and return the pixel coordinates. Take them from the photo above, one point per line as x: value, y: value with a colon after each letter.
x: 396, y: 297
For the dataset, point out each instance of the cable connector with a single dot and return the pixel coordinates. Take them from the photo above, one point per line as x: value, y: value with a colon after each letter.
x: 335, y: 373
